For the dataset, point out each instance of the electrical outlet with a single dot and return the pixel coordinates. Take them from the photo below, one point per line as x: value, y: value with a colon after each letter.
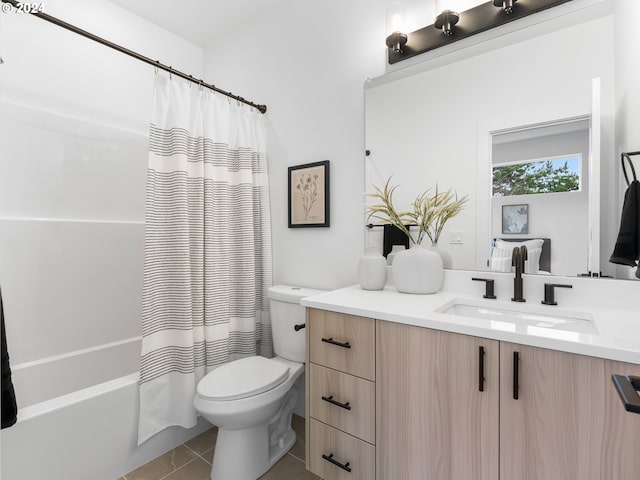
x: 455, y: 236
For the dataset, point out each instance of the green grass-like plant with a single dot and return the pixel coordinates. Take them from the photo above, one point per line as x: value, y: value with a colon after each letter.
x: 430, y: 212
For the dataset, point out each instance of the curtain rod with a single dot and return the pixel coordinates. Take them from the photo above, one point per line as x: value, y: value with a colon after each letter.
x: 131, y: 53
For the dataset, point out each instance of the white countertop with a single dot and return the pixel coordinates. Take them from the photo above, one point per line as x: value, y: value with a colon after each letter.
x: 613, y: 333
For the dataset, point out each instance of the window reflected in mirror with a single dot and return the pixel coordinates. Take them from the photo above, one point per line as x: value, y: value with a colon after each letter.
x: 530, y: 177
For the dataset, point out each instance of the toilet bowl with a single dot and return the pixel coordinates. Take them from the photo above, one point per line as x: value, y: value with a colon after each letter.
x: 251, y: 400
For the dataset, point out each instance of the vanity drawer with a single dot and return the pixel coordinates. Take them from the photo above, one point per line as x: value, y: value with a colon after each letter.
x: 329, y: 445
x: 343, y: 401
x: 342, y: 342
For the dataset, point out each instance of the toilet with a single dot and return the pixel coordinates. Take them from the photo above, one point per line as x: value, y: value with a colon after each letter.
x: 251, y: 400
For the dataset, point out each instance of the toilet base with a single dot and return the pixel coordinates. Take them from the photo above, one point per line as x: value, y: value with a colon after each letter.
x: 248, y: 453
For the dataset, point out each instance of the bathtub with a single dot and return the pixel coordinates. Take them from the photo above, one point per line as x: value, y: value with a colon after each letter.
x: 78, y: 418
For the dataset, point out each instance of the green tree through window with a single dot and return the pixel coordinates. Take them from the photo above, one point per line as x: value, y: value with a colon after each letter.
x: 546, y: 176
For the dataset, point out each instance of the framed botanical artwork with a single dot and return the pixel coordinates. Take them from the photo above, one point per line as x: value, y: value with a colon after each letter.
x: 515, y: 218
x: 309, y: 195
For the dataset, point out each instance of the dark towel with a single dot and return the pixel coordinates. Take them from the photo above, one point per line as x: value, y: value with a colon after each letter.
x: 627, y: 246
x: 393, y: 236
x: 8, y: 407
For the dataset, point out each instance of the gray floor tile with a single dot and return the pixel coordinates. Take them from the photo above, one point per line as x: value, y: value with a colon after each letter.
x: 203, y: 442
x: 208, y: 455
x: 198, y: 469
x: 289, y: 468
x: 182, y: 463
x: 163, y: 465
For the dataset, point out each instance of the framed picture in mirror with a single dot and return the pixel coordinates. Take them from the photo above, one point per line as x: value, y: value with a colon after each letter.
x: 515, y: 218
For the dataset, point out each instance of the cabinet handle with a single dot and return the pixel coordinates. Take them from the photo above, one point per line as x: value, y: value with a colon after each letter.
x: 299, y: 326
x: 339, y: 344
x: 628, y: 388
x: 329, y: 458
x: 330, y: 399
x: 481, y: 369
x: 516, y: 368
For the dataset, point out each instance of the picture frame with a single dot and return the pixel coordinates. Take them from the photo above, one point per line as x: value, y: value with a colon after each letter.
x: 515, y: 219
x: 308, y: 195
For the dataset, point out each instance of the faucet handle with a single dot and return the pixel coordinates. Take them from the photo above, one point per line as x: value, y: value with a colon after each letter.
x: 489, y: 287
x: 549, y: 293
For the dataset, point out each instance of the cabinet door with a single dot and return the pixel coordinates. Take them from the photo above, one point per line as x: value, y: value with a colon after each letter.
x: 620, y: 453
x: 432, y: 420
x: 567, y: 421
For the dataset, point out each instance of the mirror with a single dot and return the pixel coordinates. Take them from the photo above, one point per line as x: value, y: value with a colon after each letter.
x: 447, y: 125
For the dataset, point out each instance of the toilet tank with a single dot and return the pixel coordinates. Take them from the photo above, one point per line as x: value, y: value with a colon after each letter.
x: 286, y: 313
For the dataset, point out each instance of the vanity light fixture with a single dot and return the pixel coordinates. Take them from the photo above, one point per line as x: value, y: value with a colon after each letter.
x: 506, y: 5
x: 396, y: 41
x: 402, y: 45
x: 396, y: 18
x: 446, y: 21
x: 448, y: 15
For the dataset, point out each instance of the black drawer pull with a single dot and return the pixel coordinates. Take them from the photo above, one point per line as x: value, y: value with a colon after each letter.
x: 329, y: 458
x: 481, y: 369
x: 628, y: 388
x: 330, y: 399
x: 516, y: 368
x: 339, y: 344
x: 299, y: 327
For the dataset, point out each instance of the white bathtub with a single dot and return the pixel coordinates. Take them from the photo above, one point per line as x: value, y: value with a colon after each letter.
x: 78, y: 418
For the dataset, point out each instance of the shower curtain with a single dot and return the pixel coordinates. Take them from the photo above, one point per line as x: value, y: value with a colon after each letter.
x: 207, y: 259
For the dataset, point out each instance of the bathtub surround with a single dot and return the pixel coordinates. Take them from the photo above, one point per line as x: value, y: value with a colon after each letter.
x: 207, y: 260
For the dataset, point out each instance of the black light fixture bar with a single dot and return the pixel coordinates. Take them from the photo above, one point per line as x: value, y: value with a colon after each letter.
x: 475, y: 20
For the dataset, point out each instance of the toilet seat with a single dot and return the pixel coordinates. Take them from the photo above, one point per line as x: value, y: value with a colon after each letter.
x: 242, y: 378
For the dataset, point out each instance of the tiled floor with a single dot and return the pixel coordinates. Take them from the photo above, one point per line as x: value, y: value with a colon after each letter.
x: 192, y: 461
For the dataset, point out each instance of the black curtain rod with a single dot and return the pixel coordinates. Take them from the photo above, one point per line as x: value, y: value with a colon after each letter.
x: 131, y: 53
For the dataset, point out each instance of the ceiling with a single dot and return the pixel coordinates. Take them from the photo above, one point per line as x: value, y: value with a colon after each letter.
x: 199, y: 21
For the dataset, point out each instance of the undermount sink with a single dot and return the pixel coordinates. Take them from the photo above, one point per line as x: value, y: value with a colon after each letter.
x: 536, y: 319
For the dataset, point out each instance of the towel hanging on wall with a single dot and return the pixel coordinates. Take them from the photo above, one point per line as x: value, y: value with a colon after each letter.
x: 8, y: 407
x: 627, y: 248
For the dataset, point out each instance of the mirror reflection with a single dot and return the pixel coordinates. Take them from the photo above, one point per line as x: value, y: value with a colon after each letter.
x: 540, y: 197
x: 514, y: 109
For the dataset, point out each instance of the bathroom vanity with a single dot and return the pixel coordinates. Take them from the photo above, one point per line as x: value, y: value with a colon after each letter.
x: 452, y: 386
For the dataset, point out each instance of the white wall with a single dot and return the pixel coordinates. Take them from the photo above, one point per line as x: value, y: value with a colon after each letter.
x: 53, y: 69
x: 308, y: 62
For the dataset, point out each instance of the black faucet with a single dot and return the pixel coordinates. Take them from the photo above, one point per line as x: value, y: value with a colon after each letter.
x: 549, y: 297
x: 518, y: 257
x: 489, y: 287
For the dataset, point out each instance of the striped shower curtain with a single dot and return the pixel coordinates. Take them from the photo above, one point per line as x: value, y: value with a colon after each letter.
x: 207, y: 259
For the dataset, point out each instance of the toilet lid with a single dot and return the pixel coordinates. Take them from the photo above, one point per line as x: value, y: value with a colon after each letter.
x: 242, y: 378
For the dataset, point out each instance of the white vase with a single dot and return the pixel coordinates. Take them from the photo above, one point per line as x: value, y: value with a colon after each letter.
x: 394, y: 251
x: 418, y: 271
x: 372, y: 270
x: 447, y: 261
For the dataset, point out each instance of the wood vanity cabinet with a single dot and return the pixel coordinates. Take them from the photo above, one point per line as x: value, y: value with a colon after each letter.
x: 450, y: 406
x: 340, y: 396
x: 567, y: 421
x: 433, y: 420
